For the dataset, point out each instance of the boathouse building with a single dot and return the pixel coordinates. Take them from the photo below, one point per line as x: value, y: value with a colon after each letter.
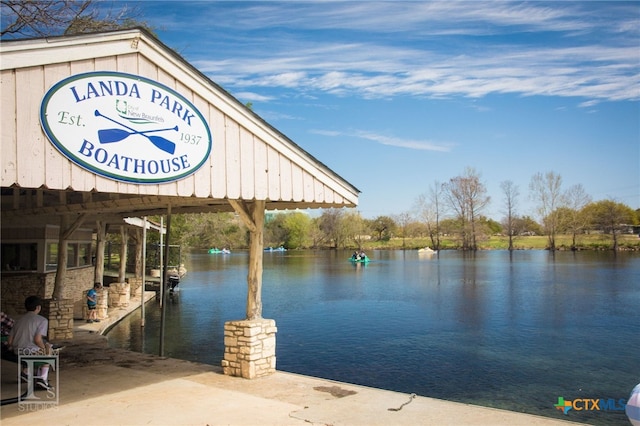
x: 101, y: 127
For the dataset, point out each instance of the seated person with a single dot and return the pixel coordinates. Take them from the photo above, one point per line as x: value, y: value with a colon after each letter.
x: 28, y: 336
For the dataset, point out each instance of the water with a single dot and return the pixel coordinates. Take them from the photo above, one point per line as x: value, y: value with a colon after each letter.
x: 513, y: 331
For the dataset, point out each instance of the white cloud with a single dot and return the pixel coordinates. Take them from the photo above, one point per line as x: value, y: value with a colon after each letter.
x: 422, y: 145
x: 252, y: 97
x: 434, y: 49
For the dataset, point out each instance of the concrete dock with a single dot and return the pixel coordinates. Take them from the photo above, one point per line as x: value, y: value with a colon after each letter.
x: 99, y: 385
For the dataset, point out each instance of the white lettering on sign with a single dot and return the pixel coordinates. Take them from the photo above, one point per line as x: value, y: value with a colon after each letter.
x: 125, y: 127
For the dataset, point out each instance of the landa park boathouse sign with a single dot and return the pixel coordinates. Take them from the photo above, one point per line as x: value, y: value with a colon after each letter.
x: 125, y: 127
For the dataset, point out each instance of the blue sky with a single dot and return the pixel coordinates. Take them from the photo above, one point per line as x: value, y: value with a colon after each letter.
x: 394, y: 96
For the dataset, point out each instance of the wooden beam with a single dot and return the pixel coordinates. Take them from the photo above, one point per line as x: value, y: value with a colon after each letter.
x: 74, y: 226
x: 240, y: 206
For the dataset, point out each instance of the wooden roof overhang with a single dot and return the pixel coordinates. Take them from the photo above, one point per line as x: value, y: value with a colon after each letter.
x: 250, y: 160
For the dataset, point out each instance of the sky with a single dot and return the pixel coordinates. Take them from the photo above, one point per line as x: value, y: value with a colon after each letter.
x: 397, y: 96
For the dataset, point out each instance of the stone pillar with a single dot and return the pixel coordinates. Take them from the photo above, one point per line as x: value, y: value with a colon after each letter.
x: 249, y: 348
x: 102, y: 304
x: 119, y: 295
x: 60, y: 316
x: 136, y: 286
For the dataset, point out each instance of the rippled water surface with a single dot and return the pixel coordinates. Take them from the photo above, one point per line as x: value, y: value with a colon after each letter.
x: 513, y: 331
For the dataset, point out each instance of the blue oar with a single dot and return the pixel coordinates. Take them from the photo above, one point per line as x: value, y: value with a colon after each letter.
x: 116, y: 135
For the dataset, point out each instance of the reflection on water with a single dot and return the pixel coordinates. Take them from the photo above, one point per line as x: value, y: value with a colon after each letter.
x: 508, y: 330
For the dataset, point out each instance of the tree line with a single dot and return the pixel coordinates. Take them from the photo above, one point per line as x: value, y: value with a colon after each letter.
x: 454, y: 209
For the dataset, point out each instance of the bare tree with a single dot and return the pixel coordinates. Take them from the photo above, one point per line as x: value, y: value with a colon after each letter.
x: 546, y: 190
x: 466, y: 195
x: 44, y: 18
x: 429, y: 211
x: 403, y: 219
x: 511, y: 193
x: 576, y: 199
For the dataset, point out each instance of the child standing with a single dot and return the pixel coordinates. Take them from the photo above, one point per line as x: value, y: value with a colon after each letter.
x: 92, y: 303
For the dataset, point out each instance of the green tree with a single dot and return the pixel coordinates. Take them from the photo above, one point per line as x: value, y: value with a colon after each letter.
x: 297, y: 227
x: 490, y: 226
x: 275, y: 232
x: 355, y: 228
x: 526, y: 225
x: 611, y: 218
x: 383, y: 227
x: 332, y: 226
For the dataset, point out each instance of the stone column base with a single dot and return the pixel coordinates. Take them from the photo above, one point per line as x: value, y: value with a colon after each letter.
x: 249, y: 348
x: 60, y: 316
x: 136, y: 286
x: 119, y: 295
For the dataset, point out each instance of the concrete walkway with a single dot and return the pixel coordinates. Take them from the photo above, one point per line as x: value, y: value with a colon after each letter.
x: 98, y: 385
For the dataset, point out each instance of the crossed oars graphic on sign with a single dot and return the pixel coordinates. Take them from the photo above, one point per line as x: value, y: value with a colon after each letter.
x: 116, y: 135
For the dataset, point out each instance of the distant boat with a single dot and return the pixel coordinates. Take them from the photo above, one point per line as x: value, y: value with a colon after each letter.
x: 427, y: 250
x: 359, y: 258
x: 275, y: 249
x: 219, y: 251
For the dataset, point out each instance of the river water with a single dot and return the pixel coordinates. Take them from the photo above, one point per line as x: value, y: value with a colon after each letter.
x: 507, y: 330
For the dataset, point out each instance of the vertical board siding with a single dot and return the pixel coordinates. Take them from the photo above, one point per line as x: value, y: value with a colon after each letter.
x: 261, y: 191
x: 168, y: 80
x: 30, y: 139
x: 185, y: 186
x: 273, y: 174
x: 232, y: 158
x: 247, y: 165
x: 57, y: 165
x: 218, y: 153
x: 81, y: 179
x: 297, y: 184
x: 202, y: 178
x: 9, y: 155
x: 308, y: 191
x: 286, y: 187
x: 319, y: 191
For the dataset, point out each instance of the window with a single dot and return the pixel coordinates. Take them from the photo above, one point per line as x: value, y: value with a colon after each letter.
x: 19, y: 257
x: 84, y: 254
x: 52, y: 256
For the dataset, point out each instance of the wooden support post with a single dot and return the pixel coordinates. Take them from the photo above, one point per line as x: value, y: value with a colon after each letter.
x: 100, y: 241
x: 66, y: 230
x: 122, y: 272
x: 253, y: 216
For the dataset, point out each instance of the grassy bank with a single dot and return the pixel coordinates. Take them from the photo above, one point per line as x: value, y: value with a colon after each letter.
x: 563, y: 242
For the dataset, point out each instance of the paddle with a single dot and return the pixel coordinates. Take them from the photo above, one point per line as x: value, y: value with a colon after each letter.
x: 116, y: 135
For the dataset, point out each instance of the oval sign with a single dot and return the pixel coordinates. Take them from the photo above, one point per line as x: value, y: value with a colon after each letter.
x: 125, y: 127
